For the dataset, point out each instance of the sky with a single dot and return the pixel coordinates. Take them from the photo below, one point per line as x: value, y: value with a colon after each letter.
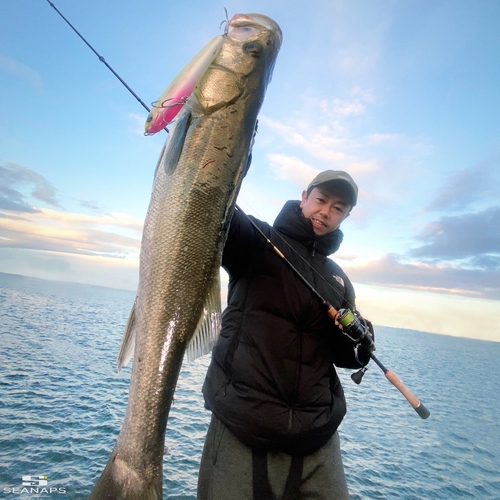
x: 403, y: 95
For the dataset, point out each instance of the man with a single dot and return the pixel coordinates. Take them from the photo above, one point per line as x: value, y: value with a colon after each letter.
x: 272, y: 388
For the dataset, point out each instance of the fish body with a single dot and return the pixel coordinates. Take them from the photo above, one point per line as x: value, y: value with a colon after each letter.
x: 176, y: 94
x: 196, y: 183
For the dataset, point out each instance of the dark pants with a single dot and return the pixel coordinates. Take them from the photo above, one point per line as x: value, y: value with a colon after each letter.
x: 226, y: 470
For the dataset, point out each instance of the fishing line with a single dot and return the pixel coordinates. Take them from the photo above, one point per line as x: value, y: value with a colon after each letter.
x: 100, y: 57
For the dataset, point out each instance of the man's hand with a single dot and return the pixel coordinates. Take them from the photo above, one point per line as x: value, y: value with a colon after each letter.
x: 361, y: 333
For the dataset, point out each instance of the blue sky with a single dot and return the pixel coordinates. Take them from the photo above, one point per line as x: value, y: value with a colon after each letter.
x: 401, y: 94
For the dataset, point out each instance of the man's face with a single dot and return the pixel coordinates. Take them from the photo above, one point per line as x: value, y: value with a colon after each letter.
x: 326, y: 206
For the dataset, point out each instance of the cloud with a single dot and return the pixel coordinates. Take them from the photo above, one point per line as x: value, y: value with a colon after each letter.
x: 292, y: 169
x: 92, y: 204
x: 346, y: 257
x: 72, y: 233
x: 366, y: 95
x: 389, y: 271
x: 324, y: 134
x: 429, y: 312
x: 260, y: 201
x: 343, y: 107
x: 467, y: 186
x: 381, y: 138
x: 114, y: 219
x: 472, y: 236
x: 21, y: 71
x: 14, y: 179
x: 323, y: 143
x: 11, y: 199
x: 24, y: 226
x: 60, y: 266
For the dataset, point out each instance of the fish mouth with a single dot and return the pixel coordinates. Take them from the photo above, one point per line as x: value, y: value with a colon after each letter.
x: 215, y: 65
x: 243, y: 26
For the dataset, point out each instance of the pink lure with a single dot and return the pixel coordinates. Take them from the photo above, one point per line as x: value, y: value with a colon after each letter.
x: 177, y: 93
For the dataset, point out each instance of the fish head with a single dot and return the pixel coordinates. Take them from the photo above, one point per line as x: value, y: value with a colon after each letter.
x: 244, y: 64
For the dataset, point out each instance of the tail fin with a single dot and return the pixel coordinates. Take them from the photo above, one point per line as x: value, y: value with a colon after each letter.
x: 119, y: 482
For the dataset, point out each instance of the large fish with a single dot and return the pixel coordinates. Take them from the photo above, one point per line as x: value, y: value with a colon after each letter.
x: 196, y: 183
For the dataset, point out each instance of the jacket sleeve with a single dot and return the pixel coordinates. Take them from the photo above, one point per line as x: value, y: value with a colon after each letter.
x: 344, y: 352
x: 242, y: 242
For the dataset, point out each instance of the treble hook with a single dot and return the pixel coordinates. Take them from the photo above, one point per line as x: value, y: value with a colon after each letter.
x: 226, y: 22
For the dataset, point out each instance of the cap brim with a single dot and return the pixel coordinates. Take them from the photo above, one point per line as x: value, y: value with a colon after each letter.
x: 345, y: 183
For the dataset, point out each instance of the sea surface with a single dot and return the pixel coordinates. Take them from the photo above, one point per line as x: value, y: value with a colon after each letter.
x: 62, y: 404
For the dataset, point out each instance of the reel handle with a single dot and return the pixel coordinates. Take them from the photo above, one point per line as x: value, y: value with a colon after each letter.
x: 355, y: 330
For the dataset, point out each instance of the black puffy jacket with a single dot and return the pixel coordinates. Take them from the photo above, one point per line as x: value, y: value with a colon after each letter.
x: 271, y: 380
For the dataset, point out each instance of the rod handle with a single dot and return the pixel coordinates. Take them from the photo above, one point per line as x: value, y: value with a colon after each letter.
x: 332, y: 312
x: 422, y: 411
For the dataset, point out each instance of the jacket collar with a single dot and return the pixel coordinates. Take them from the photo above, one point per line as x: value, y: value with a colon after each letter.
x: 292, y: 222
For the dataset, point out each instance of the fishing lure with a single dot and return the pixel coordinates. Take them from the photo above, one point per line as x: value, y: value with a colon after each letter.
x: 177, y: 93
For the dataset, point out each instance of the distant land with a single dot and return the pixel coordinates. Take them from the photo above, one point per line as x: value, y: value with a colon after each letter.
x: 75, y: 283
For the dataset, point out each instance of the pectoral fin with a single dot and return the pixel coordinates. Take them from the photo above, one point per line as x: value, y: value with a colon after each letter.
x: 208, y: 328
x: 172, y: 149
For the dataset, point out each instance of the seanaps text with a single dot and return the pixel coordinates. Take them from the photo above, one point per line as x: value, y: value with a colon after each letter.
x: 34, y: 490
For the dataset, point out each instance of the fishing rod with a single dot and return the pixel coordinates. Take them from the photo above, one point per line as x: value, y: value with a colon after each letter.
x: 352, y: 327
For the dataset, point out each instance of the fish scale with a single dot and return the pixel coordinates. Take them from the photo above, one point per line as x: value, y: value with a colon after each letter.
x: 196, y: 183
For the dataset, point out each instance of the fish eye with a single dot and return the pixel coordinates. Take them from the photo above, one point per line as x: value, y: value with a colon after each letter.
x: 253, y: 48
x: 150, y: 119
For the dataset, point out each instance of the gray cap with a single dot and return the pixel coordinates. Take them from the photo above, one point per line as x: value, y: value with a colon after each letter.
x: 336, y: 175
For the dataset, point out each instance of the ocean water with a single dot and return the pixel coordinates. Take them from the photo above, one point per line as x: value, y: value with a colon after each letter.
x: 62, y: 404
